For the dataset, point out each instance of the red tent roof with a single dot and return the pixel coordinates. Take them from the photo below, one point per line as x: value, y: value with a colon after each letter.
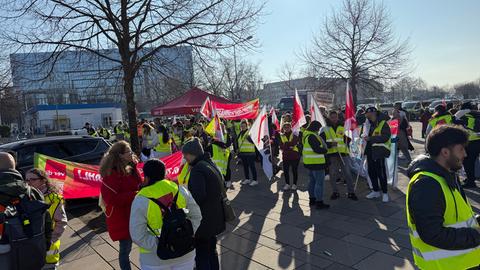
x: 188, y: 103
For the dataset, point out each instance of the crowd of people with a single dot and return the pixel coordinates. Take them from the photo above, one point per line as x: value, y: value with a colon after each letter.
x: 176, y: 223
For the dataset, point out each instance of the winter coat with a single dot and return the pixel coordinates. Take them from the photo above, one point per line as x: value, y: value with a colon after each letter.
x: 384, y: 137
x: 118, y: 192
x: 287, y: 147
x: 206, y: 184
x: 427, y: 206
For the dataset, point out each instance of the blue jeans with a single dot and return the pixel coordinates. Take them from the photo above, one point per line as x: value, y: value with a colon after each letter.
x: 315, y: 187
x: 124, y: 254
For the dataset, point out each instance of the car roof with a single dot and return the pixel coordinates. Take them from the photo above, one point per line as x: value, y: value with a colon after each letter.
x: 16, y: 144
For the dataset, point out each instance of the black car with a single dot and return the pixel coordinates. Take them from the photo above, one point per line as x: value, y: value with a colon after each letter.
x: 82, y: 149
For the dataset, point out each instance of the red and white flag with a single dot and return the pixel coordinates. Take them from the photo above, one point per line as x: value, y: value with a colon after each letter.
x: 298, y: 117
x: 261, y: 138
x: 207, y: 109
x: 315, y: 113
x: 350, y: 121
x: 275, y: 121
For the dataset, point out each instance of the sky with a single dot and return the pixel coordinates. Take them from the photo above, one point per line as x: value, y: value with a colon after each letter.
x: 444, y: 36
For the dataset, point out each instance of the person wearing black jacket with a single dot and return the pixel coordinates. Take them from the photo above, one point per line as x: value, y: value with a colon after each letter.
x: 317, y: 166
x: 247, y: 153
x: 206, y: 186
x: 376, y: 150
x: 429, y: 196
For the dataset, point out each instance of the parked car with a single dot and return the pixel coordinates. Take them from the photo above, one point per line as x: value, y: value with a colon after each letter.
x: 413, y: 109
x: 83, y: 149
x: 386, y: 108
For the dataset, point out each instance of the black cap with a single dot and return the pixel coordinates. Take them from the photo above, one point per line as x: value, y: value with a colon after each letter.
x: 371, y: 109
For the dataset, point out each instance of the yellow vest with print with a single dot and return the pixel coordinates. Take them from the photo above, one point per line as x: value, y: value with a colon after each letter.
x: 441, y: 120
x: 244, y: 144
x: 163, y: 147
x: 309, y: 156
x: 284, y: 139
x: 55, y: 201
x: 220, y: 158
x: 338, y: 137
x: 154, y: 213
x: 378, y: 132
x: 458, y: 214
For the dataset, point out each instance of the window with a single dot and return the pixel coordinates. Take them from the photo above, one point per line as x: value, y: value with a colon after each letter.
x: 76, y: 148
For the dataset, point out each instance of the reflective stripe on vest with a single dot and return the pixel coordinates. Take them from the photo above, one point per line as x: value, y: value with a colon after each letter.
x: 336, y: 136
x: 378, y: 132
x: 441, y: 120
x: 162, y: 147
x: 184, y: 175
x: 284, y: 139
x: 245, y: 145
x: 220, y: 158
x: 309, y: 156
x: 154, y: 215
x: 458, y: 214
x: 55, y: 201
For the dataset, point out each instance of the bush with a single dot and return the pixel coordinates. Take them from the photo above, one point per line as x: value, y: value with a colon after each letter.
x: 4, y: 131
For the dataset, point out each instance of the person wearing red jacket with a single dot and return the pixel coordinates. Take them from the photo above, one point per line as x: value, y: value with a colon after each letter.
x: 121, y: 183
x: 290, y: 155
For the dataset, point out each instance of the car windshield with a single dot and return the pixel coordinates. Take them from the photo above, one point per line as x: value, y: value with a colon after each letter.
x: 409, y: 105
x: 435, y: 103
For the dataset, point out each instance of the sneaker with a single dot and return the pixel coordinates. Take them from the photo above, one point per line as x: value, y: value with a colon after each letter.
x: 321, y: 205
x: 253, y: 183
x: 373, y: 194
x: 312, y: 201
x: 286, y: 187
x: 352, y: 196
x: 294, y: 187
x: 228, y: 184
x: 385, y: 197
x: 246, y: 182
x: 335, y: 195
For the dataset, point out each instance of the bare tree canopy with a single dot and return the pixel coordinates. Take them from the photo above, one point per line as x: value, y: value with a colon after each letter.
x: 137, y: 28
x: 357, y: 43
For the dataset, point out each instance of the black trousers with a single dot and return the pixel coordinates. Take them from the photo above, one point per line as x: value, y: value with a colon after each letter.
x: 206, y: 254
x: 473, y: 150
x: 228, y: 175
x: 377, y: 173
x: 286, y: 170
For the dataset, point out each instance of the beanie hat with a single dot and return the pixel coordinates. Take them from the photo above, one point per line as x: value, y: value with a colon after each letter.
x: 193, y: 147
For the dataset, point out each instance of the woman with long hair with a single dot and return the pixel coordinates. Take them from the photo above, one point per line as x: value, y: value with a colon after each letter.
x: 39, y: 180
x: 120, y: 185
x: 163, y: 147
x: 149, y: 141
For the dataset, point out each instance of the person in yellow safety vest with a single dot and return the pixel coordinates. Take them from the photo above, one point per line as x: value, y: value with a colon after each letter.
x: 118, y: 131
x: 469, y: 117
x: 126, y: 132
x: 177, y: 134
x: 149, y: 141
x: 443, y: 228
x: 338, y: 156
x: 146, y: 217
x: 164, y: 143
x: 440, y: 117
x: 221, y: 156
x: 246, y: 152
x: 90, y: 130
x: 376, y: 150
x: 39, y: 180
x: 290, y: 155
x: 314, y: 160
x: 104, y: 133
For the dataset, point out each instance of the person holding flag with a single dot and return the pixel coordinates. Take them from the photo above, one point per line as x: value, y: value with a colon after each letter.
x: 219, y: 148
x: 290, y: 155
x: 338, y: 156
x: 246, y: 152
x: 314, y: 150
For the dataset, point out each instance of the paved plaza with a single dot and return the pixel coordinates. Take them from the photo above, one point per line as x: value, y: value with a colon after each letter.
x: 278, y: 230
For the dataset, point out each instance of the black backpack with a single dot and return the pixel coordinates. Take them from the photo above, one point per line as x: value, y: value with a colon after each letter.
x: 176, y: 237
x: 24, y: 230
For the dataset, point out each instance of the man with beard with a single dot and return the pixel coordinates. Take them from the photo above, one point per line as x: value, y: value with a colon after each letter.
x: 443, y: 229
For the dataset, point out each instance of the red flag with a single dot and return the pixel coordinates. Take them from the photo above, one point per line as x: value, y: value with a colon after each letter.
x: 350, y: 121
x: 298, y: 117
x: 206, y: 109
x: 274, y: 118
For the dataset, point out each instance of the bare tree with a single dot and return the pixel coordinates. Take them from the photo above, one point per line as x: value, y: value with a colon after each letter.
x: 139, y: 30
x: 357, y: 43
x: 468, y: 90
x: 408, y: 88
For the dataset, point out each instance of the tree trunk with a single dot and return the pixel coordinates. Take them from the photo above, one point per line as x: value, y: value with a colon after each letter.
x: 131, y: 111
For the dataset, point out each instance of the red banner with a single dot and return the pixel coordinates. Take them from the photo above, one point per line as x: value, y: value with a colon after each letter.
x: 231, y: 111
x: 77, y: 180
